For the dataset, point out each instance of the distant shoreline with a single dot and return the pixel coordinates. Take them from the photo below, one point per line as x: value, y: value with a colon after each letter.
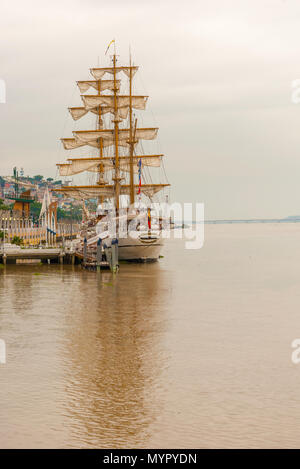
x: 263, y: 220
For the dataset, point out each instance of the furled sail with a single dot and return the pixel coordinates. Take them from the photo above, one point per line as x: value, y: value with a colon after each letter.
x: 83, y: 192
x: 103, y: 85
x: 78, y: 112
x: 88, y: 136
x: 92, y: 101
x: 72, y: 168
x: 72, y: 143
x: 79, y: 165
x: 87, y: 192
x: 99, y: 72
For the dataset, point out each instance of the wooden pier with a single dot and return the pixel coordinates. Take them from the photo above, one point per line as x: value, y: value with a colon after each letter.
x: 12, y: 255
x: 56, y: 255
x: 38, y: 244
x: 52, y: 256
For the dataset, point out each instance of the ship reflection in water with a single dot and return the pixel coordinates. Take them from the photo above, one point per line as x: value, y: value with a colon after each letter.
x: 114, y: 355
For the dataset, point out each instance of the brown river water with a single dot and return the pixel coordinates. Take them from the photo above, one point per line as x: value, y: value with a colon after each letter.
x: 193, y: 351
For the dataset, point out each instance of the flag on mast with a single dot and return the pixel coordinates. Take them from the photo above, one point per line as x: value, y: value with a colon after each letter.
x: 109, y: 46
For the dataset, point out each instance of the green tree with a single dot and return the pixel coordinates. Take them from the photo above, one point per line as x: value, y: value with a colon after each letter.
x: 38, y: 178
x: 3, y: 206
x: 35, y: 209
x: 75, y: 214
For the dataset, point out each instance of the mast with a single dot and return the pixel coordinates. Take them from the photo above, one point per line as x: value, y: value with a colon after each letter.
x: 116, y: 124
x: 131, y: 142
x: 101, y: 169
x: 101, y: 140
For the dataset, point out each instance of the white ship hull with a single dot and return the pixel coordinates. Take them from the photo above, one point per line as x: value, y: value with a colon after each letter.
x: 145, y: 248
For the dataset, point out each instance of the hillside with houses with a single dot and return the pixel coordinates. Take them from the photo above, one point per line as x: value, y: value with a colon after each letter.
x: 33, y: 187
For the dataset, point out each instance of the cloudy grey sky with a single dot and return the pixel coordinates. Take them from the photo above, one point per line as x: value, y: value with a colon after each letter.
x: 218, y: 73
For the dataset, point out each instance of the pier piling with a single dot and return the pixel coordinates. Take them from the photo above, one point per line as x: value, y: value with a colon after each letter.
x: 99, y: 254
x: 85, y: 251
x: 114, y: 255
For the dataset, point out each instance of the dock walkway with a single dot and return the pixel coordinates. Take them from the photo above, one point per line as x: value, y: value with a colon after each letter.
x: 52, y: 255
x: 11, y: 255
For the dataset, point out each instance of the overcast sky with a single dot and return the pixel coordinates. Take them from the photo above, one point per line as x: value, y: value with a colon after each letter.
x: 218, y: 73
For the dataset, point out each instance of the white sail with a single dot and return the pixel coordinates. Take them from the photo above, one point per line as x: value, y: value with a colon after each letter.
x: 79, y: 165
x: 72, y: 143
x: 92, y: 101
x: 99, y: 72
x: 99, y: 86
x: 89, y: 136
x: 78, y: 112
x: 70, y: 169
x: 85, y: 192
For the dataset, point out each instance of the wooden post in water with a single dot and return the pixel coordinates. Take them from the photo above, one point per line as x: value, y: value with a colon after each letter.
x: 114, y: 255
x: 84, y: 250
x: 108, y: 255
x: 99, y: 254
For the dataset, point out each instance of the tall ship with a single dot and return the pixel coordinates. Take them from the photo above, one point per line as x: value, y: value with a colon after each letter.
x: 119, y: 172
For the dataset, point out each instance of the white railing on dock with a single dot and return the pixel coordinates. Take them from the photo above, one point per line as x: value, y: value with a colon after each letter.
x: 34, y: 235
